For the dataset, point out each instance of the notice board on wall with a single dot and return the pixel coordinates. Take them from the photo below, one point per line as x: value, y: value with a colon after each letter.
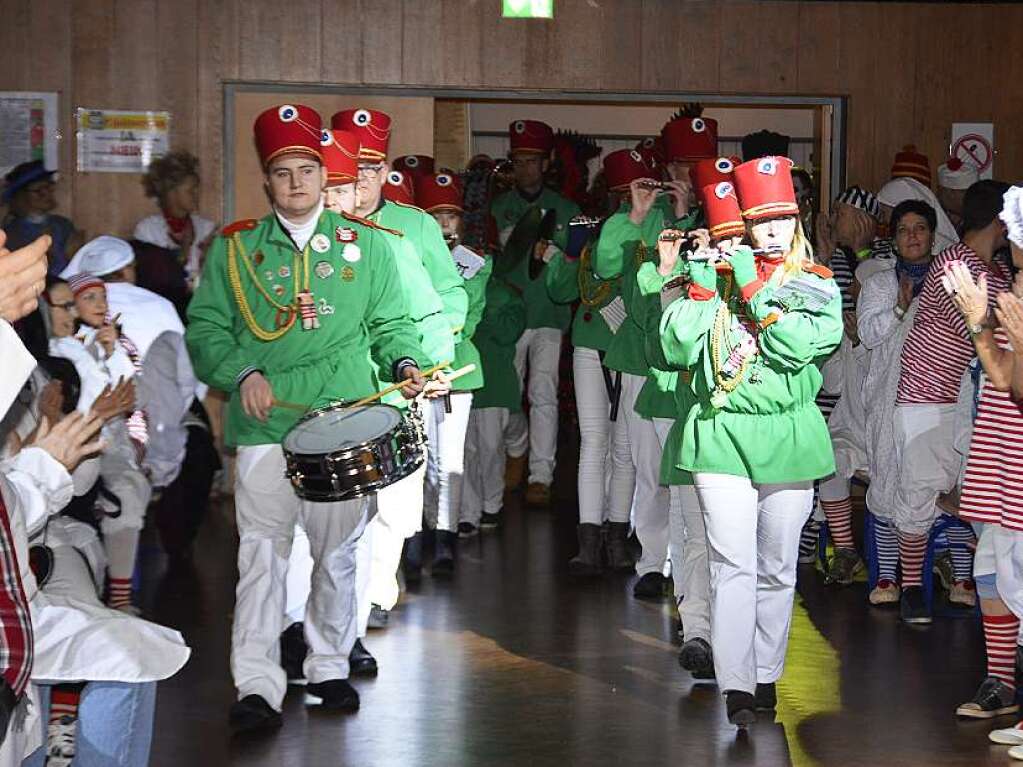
x: 28, y: 129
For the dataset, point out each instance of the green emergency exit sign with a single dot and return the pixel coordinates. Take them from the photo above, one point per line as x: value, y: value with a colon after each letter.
x: 527, y: 9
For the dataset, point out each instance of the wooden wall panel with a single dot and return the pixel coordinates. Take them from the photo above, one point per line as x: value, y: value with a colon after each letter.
x: 909, y: 69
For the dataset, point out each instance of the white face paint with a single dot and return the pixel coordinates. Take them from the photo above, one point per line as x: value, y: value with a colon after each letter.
x: 774, y: 233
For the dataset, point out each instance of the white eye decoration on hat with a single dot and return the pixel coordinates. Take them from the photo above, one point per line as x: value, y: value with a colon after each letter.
x: 519, y: 126
x: 722, y: 190
x: 361, y: 118
x: 636, y: 156
x: 648, y: 142
x: 287, y: 113
x: 411, y: 161
x: 394, y: 178
x: 443, y: 179
x: 768, y: 166
x: 699, y: 126
x: 724, y: 165
x: 326, y: 137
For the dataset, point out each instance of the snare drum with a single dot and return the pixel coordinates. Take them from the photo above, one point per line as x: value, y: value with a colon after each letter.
x: 339, y: 453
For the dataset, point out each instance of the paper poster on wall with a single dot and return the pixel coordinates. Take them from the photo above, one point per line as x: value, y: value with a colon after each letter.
x: 115, y: 141
x: 28, y: 129
x: 974, y: 143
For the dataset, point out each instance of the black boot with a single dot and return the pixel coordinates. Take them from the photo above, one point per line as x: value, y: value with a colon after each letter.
x: 251, y: 714
x: 412, y: 561
x: 332, y: 695
x: 766, y: 697
x: 619, y: 558
x: 697, y: 658
x: 444, y: 554
x: 741, y: 708
x: 587, y: 562
x: 293, y: 652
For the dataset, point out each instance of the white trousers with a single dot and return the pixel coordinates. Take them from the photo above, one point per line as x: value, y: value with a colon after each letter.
x: 636, y: 444
x: 753, y: 537
x: 445, y: 460
x: 595, y: 429
x: 483, y: 488
x: 687, y: 549
x: 541, y: 348
x: 267, y: 511
x: 399, y: 516
x: 1009, y: 568
x: 929, y: 464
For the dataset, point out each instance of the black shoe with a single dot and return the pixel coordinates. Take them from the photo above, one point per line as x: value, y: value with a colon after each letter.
x: 914, y: 607
x: 412, y: 560
x: 650, y: 586
x: 252, y: 714
x: 741, y: 708
x: 444, y: 554
x: 587, y: 561
x: 360, y: 662
x: 619, y: 558
x: 293, y: 652
x: 490, y: 521
x: 467, y: 530
x: 332, y: 695
x: 766, y: 697
x: 378, y: 617
x: 697, y: 658
x: 843, y: 567
x: 993, y: 698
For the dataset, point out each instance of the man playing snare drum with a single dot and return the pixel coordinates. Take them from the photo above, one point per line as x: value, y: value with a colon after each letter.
x: 294, y: 311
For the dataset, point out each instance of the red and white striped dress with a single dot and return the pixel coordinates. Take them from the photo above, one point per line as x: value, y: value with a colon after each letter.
x: 938, y: 347
x: 993, y: 487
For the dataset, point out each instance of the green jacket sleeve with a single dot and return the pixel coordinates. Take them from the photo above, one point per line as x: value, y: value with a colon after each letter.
x: 392, y: 336
x: 504, y: 320
x: 683, y: 330
x: 569, y: 210
x: 445, y: 277
x: 648, y: 310
x: 476, y: 293
x: 562, y: 279
x: 213, y: 325
x: 616, y: 238
x: 801, y: 336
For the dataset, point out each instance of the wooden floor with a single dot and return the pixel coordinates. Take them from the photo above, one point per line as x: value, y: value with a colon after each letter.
x: 514, y: 663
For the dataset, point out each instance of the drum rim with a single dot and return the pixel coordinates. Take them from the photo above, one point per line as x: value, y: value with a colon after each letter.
x: 333, y: 406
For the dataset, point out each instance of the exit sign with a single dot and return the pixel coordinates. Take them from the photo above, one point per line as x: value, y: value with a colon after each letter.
x: 527, y: 9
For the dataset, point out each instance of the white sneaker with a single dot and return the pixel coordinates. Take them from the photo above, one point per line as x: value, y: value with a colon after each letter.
x: 1016, y: 752
x: 60, y: 741
x: 1008, y: 736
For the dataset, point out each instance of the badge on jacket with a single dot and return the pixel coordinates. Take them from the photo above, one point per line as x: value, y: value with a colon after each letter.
x: 320, y: 243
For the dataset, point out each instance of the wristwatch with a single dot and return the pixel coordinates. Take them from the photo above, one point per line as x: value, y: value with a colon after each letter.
x: 977, y: 329
x: 899, y: 311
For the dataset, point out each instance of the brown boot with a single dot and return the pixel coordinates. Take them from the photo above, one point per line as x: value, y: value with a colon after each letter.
x: 618, y: 557
x: 514, y: 472
x: 538, y: 494
x: 586, y: 563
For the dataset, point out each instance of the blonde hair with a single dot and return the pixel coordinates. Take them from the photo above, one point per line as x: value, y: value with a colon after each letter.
x: 799, y: 253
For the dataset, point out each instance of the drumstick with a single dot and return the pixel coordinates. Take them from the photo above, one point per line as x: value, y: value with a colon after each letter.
x: 395, y: 387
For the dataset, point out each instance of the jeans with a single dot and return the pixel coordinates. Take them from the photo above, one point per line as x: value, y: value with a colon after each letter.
x: 115, y: 725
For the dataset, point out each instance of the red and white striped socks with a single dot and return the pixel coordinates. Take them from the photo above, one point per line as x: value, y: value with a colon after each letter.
x: 119, y: 593
x: 64, y: 702
x: 839, y: 516
x: 1000, y: 642
x: 912, y: 549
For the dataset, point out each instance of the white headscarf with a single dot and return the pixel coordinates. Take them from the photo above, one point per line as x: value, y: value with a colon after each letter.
x: 901, y: 189
x: 100, y: 256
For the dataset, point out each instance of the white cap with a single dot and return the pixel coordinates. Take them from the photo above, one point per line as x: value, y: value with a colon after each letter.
x: 1012, y: 214
x: 956, y: 174
x: 100, y: 256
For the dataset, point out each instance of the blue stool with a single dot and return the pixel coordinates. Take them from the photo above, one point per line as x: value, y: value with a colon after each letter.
x: 942, y: 524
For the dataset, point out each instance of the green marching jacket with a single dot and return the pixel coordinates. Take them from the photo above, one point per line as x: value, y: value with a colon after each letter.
x: 499, y: 329
x: 240, y: 319
x: 768, y: 428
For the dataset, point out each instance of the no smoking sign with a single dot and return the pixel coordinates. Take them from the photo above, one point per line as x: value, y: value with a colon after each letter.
x: 973, y: 143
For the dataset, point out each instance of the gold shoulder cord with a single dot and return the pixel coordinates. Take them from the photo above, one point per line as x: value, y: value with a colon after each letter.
x: 234, y: 247
x: 592, y: 292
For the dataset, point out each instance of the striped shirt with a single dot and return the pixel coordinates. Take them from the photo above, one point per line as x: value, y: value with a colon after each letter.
x: 843, y: 266
x: 993, y: 487
x: 938, y: 347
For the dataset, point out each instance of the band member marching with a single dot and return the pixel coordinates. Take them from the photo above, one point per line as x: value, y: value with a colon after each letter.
x: 400, y: 506
x: 754, y: 441
x: 245, y: 338
x: 440, y: 195
x: 531, y: 144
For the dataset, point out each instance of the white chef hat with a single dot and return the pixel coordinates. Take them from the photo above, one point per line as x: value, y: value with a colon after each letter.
x: 956, y: 174
x: 1012, y: 214
x: 100, y: 256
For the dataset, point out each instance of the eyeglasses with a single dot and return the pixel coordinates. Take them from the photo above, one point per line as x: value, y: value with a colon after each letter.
x: 370, y: 171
